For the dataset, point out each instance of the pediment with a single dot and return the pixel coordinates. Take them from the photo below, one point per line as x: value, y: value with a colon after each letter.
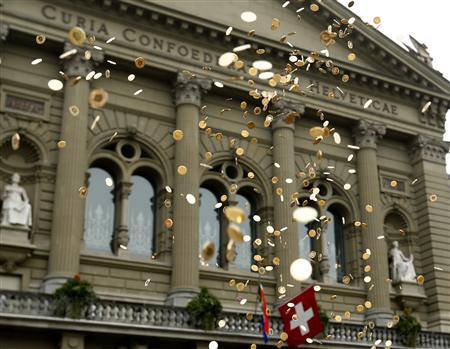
x: 375, y: 53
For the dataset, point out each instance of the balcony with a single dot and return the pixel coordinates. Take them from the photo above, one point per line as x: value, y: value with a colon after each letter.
x: 34, y: 310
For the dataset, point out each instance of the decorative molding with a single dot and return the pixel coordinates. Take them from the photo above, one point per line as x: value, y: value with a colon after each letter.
x: 429, y: 149
x: 189, y: 89
x: 77, y: 64
x: 435, y: 115
x: 4, y: 31
x: 367, y: 134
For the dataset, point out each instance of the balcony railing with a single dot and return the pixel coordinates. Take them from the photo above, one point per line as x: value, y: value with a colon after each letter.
x: 39, y: 307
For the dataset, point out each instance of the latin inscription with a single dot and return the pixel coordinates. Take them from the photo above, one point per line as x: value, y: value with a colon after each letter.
x: 24, y: 105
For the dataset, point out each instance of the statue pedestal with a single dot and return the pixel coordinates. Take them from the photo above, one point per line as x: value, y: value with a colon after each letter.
x: 409, y: 294
x: 15, y: 246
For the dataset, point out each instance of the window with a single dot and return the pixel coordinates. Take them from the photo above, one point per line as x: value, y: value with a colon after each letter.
x: 140, y: 217
x: 209, y: 225
x: 99, y: 213
x: 336, y: 245
x: 244, y: 250
x: 304, y: 241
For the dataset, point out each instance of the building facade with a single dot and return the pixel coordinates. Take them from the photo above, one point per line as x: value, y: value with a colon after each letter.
x: 127, y: 194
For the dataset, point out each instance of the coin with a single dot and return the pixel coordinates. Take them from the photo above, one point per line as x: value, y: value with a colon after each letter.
x: 178, y: 135
x: 77, y: 36
x: 369, y: 208
x: 351, y: 56
x: 314, y: 7
x: 243, y: 105
x: 61, y: 144
x: 168, y: 223
x: 40, y: 39
x: 182, y: 170
x: 139, y: 62
x: 420, y: 279
x: 239, y: 151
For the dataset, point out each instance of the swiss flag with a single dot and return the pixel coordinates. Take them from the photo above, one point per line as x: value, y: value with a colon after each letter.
x: 301, y: 320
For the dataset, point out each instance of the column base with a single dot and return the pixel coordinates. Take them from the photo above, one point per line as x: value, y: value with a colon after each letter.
x: 180, y: 297
x: 52, y: 282
x: 379, y: 316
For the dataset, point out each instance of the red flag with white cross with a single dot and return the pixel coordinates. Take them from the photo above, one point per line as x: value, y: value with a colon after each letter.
x: 301, y: 318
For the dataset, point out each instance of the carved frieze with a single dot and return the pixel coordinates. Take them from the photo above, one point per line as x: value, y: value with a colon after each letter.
x: 428, y: 148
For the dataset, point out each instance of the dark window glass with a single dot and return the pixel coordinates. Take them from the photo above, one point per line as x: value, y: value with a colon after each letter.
x: 336, y: 243
x: 209, y: 225
x: 244, y: 250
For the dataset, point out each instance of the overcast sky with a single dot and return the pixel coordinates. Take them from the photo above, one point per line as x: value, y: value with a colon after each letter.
x: 427, y: 21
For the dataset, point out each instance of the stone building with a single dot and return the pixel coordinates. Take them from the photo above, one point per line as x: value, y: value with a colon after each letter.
x: 389, y: 185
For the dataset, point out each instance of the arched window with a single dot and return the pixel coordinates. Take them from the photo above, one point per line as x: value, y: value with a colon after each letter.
x: 99, y: 214
x: 141, y: 217
x: 209, y: 225
x: 244, y: 250
x: 336, y: 244
x: 304, y: 241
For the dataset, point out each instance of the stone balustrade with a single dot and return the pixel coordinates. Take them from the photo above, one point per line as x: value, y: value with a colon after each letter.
x: 39, y: 307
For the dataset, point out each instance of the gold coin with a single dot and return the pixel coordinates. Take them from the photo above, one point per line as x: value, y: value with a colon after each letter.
x: 360, y: 308
x: 208, y: 155
x: 15, y: 141
x: 139, y: 62
x: 396, y: 318
x: 312, y: 233
x: 202, y: 124
x: 254, y: 268
x: 240, y: 151
x: 314, y: 7
x: 347, y: 315
x: 245, y: 133
x: 346, y: 279
x: 390, y: 324
x: 345, y: 78
x: 77, y: 36
x: 276, y: 261
x: 322, y: 203
x: 257, y: 258
x: 394, y: 184
x: 367, y: 268
x: 283, y: 336
x: 433, y: 197
x: 257, y: 111
x: 240, y: 286
x: 260, y: 51
x: 182, y: 170
x: 366, y: 256
x: 360, y: 335
x: 253, y: 346
x: 168, y: 223
x: 253, y: 71
x: 234, y: 233
x: 275, y: 24
x: 91, y: 39
x: 272, y: 83
x: 98, y: 98
x: 235, y: 214
x: 281, y: 290
x: 251, y: 175
x: 232, y: 282
x: 40, y: 39
x: 251, y: 125
x: 420, y: 279
x: 74, y: 110
x: 177, y: 135
x: 83, y: 191
x: 243, y: 104
x: 277, y: 233
x: 254, y: 140
x: 274, y: 180
x: 371, y: 325
x: 315, y: 132
x: 219, y: 136
x: 167, y: 203
x: 369, y: 208
x: 351, y: 56
x: 280, y: 344
x: 377, y: 20
x: 208, y: 250
x: 238, y: 64
x: 249, y: 316
x: 338, y: 318
x: 223, y: 198
x: 61, y: 144
x: 279, y: 191
x: 368, y: 304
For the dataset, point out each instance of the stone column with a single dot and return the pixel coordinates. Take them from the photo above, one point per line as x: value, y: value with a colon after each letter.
x: 121, y: 237
x: 185, y: 262
x: 366, y: 135
x: 68, y: 206
x: 286, y: 247
x: 431, y: 195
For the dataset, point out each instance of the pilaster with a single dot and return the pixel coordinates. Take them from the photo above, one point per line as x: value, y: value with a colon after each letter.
x: 68, y: 212
x: 185, y: 274
x: 287, y: 245
x: 431, y: 195
x: 121, y: 238
x: 366, y: 136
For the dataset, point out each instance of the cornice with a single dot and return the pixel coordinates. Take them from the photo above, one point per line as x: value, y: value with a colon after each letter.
x: 154, y: 13
x: 429, y: 149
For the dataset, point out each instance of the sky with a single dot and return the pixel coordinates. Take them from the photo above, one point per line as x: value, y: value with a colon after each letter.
x: 427, y: 21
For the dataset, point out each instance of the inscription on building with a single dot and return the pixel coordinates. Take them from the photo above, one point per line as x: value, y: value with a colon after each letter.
x: 25, y: 105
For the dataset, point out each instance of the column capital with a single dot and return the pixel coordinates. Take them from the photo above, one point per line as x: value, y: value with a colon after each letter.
x: 286, y: 112
x: 189, y: 89
x: 426, y: 148
x: 82, y: 61
x: 4, y: 31
x: 367, y: 133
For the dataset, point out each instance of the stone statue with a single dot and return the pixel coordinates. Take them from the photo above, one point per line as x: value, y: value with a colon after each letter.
x: 402, y: 268
x: 16, y: 208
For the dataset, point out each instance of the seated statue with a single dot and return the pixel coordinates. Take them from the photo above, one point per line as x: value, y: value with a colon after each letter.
x: 16, y: 208
x: 402, y: 268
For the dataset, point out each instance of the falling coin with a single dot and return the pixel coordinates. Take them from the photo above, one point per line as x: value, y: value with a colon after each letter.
x: 40, y: 39
x: 314, y: 7
x: 234, y: 214
x: 83, y: 191
x: 351, y: 56
x: 393, y: 183
x: 74, y: 110
x: 369, y: 208
x: 240, y: 151
x: 77, y: 36
x: 433, y: 197
x: 98, y: 98
x: 168, y: 223
x: 182, y: 170
x: 360, y: 308
x: 177, y: 135
x: 240, y: 286
x: 346, y: 279
x: 139, y: 62
x: 377, y: 20
x: 420, y: 279
x: 15, y: 141
x: 368, y: 304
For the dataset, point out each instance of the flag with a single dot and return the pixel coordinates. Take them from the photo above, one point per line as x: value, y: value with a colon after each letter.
x: 265, y: 317
x: 301, y: 318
